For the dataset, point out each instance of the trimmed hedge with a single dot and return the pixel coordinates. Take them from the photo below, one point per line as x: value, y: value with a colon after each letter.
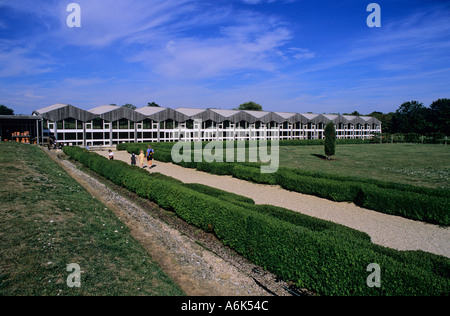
x: 325, y: 188
x: 283, y: 142
x: 324, y: 257
x: 412, y: 202
x: 220, y: 194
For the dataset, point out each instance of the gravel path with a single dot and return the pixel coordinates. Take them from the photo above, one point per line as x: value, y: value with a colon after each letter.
x: 386, y: 230
x: 196, y: 269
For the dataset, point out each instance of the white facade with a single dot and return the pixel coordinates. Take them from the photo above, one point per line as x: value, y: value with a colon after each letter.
x: 111, y: 125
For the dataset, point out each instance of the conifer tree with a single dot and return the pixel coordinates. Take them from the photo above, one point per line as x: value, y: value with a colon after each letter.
x: 330, y: 140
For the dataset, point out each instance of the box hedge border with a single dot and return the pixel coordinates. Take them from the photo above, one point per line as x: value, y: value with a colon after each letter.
x: 412, y: 202
x: 318, y: 255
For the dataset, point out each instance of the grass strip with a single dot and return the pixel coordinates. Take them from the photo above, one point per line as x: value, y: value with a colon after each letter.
x: 48, y: 221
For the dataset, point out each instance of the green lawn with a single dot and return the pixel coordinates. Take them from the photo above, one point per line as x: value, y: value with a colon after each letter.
x: 416, y: 164
x: 48, y: 221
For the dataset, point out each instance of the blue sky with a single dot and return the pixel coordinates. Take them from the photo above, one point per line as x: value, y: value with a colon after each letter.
x: 287, y: 55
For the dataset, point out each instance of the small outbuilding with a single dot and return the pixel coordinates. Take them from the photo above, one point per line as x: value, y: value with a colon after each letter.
x: 21, y: 128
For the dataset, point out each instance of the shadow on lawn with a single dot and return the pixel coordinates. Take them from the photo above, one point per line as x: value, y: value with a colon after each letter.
x: 323, y: 157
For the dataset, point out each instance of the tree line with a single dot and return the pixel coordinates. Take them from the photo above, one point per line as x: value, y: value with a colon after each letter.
x: 414, y: 117
x: 410, y: 117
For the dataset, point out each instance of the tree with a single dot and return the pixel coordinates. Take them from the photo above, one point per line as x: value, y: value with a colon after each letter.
x: 439, y: 115
x: 250, y: 106
x: 5, y: 110
x: 130, y: 106
x: 354, y: 113
x: 385, y: 119
x: 411, y: 117
x: 330, y: 140
x: 153, y: 104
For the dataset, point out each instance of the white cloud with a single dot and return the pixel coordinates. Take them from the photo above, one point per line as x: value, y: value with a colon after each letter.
x: 221, y: 55
x: 172, y: 37
x: 302, y: 53
x: 235, y: 41
x: 20, y: 61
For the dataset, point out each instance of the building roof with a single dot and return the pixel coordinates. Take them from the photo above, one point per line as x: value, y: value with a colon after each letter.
x: 225, y: 113
x: 61, y: 111
x: 51, y: 108
x: 310, y: 116
x: 112, y: 113
x: 257, y: 114
x: 150, y: 110
x: 190, y: 112
x: 20, y: 117
x: 285, y: 115
x: 102, y: 109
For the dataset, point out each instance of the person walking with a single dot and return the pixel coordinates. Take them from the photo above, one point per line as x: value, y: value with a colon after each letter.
x: 149, y: 155
x: 141, y: 158
x: 133, y: 159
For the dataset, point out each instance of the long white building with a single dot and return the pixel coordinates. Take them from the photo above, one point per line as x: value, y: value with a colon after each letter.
x: 109, y: 125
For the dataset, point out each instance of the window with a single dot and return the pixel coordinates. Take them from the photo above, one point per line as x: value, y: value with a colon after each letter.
x: 274, y: 124
x: 70, y: 123
x: 70, y: 136
x: 123, y: 124
x: 147, y: 124
x: 190, y: 124
x: 97, y: 123
x: 170, y: 124
x: 242, y: 124
x: 208, y: 124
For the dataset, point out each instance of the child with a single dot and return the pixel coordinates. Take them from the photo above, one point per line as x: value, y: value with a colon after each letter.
x: 133, y: 159
x: 141, y: 158
x: 111, y: 155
